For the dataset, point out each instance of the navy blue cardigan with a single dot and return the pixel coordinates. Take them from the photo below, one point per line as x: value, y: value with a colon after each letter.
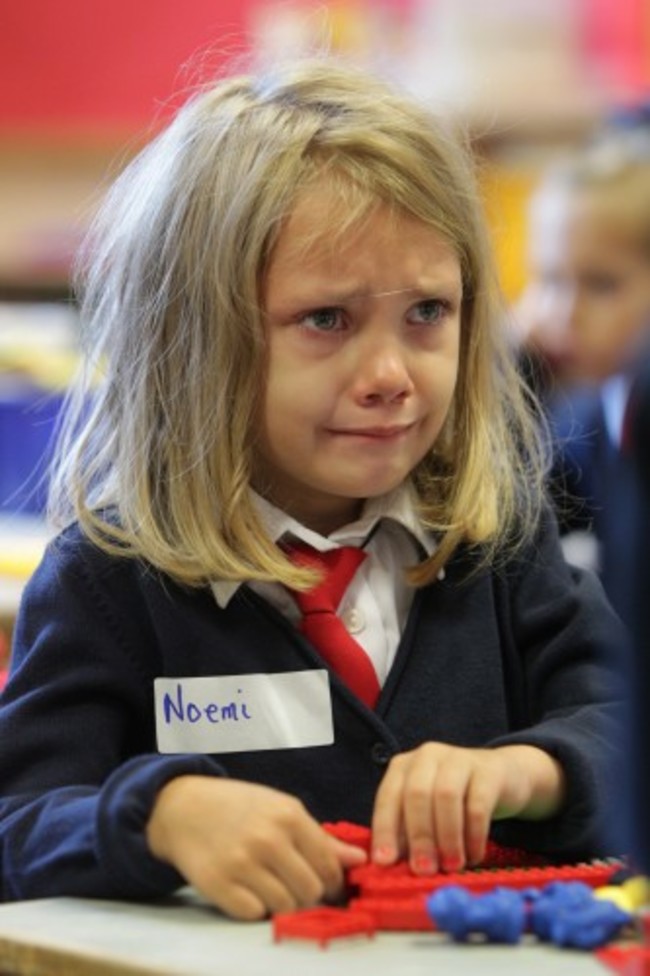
x: 516, y: 654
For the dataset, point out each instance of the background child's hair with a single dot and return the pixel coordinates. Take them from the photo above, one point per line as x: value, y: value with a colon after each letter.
x: 158, y: 463
x: 614, y: 173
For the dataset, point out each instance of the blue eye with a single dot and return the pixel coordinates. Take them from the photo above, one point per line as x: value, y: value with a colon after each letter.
x: 323, y: 320
x: 429, y: 311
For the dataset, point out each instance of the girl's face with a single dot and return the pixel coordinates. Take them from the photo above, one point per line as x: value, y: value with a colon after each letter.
x: 608, y: 283
x: 363, y: 341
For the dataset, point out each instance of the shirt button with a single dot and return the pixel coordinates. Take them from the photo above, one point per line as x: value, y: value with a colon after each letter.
x: 380, y: 754
x: 354, y: 620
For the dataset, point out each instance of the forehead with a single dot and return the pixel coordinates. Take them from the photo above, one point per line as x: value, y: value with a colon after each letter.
x: 330, y: 235
x: 598, y: 234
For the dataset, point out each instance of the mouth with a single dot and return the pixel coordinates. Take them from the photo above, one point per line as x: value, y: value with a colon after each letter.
x: 375, y: 433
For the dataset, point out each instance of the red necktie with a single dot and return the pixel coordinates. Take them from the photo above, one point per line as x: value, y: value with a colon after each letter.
x: 323, y: 628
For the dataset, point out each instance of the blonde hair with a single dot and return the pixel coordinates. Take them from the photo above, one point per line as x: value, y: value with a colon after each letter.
x: 614, y: 174
x: 157, y: 462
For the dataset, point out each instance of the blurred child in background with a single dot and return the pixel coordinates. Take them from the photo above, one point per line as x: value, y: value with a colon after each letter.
x: 586, y: 316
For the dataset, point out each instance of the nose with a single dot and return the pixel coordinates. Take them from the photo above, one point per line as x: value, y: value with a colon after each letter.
x: 382, y: 373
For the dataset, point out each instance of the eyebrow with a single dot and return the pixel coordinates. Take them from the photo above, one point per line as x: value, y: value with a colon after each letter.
x: 426, y: 290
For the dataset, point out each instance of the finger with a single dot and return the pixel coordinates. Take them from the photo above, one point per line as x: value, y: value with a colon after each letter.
x: 387, y: 823
x: 419, y: 820
x: 306, y: 884
x: 480, y: 802
x: 272, y: 891
x: 237, y: 901
x: 347, y: 855
x: 326, y: 857
x: 449, y: 813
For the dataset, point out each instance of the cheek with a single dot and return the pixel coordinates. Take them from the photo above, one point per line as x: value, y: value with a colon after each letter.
x: 292, y: 402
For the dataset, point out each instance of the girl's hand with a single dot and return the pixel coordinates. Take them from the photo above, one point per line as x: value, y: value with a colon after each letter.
x: 436, y: 802
x: 249, y: 849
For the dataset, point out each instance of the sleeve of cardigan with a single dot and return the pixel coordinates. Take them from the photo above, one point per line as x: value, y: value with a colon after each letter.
x: 568, y: 654
x: 78, y: 773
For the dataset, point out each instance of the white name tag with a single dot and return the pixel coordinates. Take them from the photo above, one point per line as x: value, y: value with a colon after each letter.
x: 243, y: 712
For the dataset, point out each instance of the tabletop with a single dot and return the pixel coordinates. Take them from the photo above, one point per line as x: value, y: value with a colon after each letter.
x: 182, y: 936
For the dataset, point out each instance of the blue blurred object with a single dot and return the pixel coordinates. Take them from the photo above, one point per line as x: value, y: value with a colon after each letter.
x: 28, y: 416
x: 567, y: 914
x: 553, y: 898
x: 588, y: 926
x: 500, y: 915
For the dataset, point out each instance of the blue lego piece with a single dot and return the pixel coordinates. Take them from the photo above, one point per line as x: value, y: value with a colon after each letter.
x: 552, y: 899
x: 590, y: 925
x: 567, y: 914
x: 500, y: 915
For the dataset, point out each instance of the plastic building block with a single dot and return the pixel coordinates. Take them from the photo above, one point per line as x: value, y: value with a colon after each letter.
x: 626, y: 960
x: 552, y: 899
x: 396, y: 914
x: 398, y: 881
x: 499, y: 915
x: 570, y: 915
x: 510, y: 891
x: 350, y: 833
x: 565, y: 914
x: 496, y: 856
x: 617, y: 895
x: 589, y: 926
x: 322, y: 925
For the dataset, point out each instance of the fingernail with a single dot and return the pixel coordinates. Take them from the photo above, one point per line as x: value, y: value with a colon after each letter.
x: 424, y: 864
x: 384, y: 854
x: 452, y: 863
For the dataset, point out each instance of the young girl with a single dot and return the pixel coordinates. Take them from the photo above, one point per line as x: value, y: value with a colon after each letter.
x: 291, y: 306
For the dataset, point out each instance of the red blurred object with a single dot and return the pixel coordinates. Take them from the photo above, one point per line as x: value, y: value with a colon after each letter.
x: 626, y: 960
x: 393, y: 899
x: 398, y: 881
x: 322, y: 925
x: 350, y: 833
x: 495, y: 855
x: 396, y: 914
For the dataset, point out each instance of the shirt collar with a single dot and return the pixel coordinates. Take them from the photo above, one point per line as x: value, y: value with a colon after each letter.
x: 398, y: 506
x: 614, y: 394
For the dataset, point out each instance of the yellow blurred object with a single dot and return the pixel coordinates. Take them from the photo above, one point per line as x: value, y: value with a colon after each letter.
x: 617, y: 895
x: 638, y: 888
x: 51, y: 371
x: 629, y: 896
x: 22, y: 544
x: 21, y: 564
x: 506, y: 193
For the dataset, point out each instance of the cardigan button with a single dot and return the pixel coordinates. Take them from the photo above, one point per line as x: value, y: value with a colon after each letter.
x: 380, y: 754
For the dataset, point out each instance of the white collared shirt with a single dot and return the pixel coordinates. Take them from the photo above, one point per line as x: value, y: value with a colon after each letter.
x: 376, y: 604
x: 614, y: 394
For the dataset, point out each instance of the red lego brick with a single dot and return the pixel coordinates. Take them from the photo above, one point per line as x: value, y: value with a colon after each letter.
x: 396, y: 914
x: 322, y: 925
x: 496, y: 856
x: 398, y: 881
x: 350, y: 833
x: 626, y: 960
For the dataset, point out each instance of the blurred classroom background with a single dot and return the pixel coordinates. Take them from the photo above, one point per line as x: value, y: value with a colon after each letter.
x: 84, y: 84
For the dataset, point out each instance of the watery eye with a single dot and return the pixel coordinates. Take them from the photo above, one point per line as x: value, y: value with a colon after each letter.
x: 323, y: 319
x: 430, y: 310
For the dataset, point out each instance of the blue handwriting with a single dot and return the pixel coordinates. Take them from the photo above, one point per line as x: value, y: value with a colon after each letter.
x: 177, y: 708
